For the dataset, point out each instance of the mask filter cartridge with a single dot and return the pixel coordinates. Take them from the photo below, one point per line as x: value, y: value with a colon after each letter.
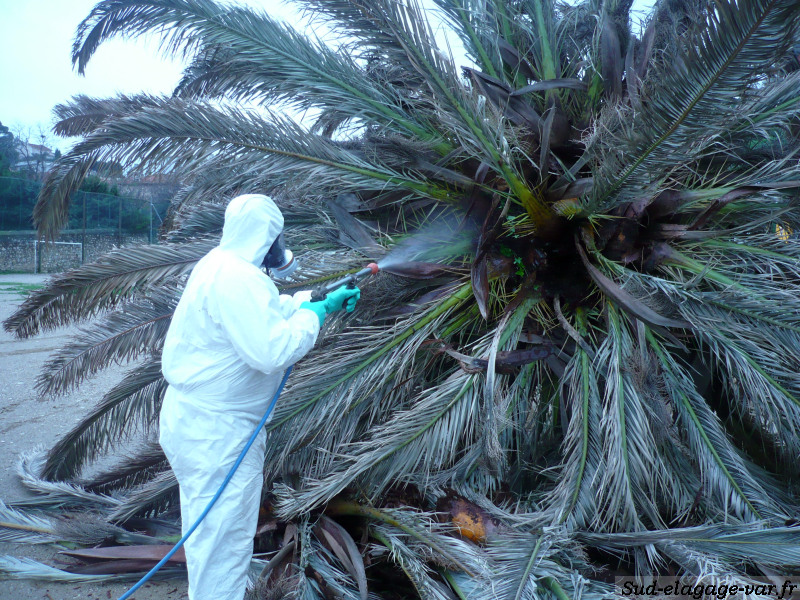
x: 287, y: 268
x: 279, y: 260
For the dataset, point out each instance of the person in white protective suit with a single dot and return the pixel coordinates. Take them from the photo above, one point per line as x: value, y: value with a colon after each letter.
x: 230, y: 340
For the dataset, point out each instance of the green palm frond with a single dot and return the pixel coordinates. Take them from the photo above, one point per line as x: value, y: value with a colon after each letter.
x: 119, y: 275
x: 150, y: 498
x: 732, y: 480
x: 82, y: 115
x: 374, y: 29
x: 574, y: 498
x: 129, y: 472
x: 348, y: 389
x: 184, y: 136
x: 400, y: 447
x: 754, y: 372
x: 26, y: 568
x: 137, y: 328
x: 636, y: 478
x: 625, y: 483
x: 56, y: 494
x: 282, y: 64
x: 761, y: 542
x: 59, y: 183
x: 547, y: 565
x: 736, y: 44
x: 282, y: 68
x: 131, y: 405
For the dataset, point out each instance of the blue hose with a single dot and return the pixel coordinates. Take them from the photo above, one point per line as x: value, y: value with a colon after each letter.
x: 235, y: 466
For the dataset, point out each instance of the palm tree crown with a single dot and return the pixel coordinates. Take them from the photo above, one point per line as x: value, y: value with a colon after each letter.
x: 586, y: 328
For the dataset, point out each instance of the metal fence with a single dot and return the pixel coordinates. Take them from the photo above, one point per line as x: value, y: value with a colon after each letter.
x: 88, y: 211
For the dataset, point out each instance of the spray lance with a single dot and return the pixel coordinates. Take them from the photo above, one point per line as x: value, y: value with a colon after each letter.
x: 349, y: 280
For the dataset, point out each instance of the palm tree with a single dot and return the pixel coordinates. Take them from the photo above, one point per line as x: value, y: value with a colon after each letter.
x: 582, y: 351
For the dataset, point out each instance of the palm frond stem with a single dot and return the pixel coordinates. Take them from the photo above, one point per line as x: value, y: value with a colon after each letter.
x: 726, y: 245
x: 585, y: 366
x: 534, y: 557
x: 451, y: 581
x: 552, y: 584
x: 549, y: 63
x: 28, y: 528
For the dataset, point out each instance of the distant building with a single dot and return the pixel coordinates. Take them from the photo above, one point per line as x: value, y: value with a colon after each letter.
x: 33, y: 159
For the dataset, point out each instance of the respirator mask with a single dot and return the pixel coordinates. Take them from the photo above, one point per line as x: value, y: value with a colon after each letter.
x: 279, y: 260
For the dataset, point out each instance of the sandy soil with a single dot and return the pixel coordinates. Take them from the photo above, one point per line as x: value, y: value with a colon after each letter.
x: 27, y: 422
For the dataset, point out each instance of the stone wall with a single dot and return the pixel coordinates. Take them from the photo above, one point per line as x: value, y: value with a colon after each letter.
x: 19, y: 254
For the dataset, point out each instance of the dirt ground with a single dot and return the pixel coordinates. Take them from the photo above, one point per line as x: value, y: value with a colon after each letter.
x: 27, y: 422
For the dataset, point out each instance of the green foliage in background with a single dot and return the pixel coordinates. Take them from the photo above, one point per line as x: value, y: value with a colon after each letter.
x: 100, y: 201
x: 8, y: 154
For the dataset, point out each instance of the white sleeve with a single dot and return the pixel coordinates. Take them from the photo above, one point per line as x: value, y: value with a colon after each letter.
x: 250, y: 312
x: 289, y: 304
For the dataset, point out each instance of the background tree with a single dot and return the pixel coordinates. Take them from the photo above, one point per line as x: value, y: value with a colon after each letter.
x: 32, y: 146
x: 42, y: 156
x: 582, y: 349
x: 8, y: 153
x: 22, y: 137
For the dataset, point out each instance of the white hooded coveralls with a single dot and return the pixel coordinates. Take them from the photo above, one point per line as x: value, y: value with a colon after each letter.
x: 231, y: 338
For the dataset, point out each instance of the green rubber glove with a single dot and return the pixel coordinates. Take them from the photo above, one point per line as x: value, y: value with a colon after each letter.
x: 342, y: 298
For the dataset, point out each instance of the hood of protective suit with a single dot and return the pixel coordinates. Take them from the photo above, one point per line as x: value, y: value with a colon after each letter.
x: 252, y: 223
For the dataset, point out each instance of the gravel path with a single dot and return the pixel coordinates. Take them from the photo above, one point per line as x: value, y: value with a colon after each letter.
x: 27, y: 422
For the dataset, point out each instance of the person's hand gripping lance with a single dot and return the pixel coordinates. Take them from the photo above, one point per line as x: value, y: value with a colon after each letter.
x: 341, y: 294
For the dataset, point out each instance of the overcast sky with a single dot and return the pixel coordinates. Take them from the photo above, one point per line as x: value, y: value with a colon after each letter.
x: 36, y: 71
